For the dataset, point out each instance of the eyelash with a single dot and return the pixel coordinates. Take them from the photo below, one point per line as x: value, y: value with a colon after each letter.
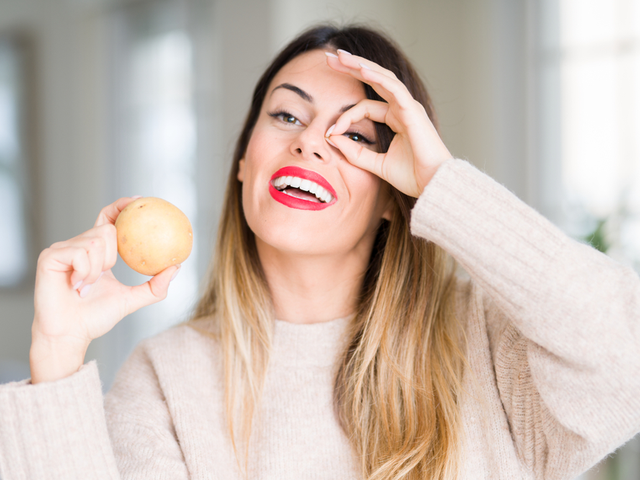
x: 281, y: 115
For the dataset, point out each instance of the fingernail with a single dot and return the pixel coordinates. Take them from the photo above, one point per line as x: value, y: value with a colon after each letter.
x: 364, y: 66
x: 77, y: 285
x: 328, y: 134
x: 344, y: 51
x: 330, y: 142
x: 135, y: 197
x: 329, y: 54
x: 175, y: 274
x: 85, y: 290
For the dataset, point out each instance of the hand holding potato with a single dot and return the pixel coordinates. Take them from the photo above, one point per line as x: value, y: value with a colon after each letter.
x: 77, y: 298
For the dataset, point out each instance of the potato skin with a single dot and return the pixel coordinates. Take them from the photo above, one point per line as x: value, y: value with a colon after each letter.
x: 153, y: 234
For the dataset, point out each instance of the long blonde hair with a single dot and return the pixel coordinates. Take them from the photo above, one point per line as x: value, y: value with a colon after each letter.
x: 400, y: 378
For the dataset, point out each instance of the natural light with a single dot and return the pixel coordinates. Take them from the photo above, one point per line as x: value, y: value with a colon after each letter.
x: 600, y: 71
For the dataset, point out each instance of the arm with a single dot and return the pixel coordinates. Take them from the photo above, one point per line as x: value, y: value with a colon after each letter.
x: 55, y: 430
x: 53, y: 426
x: 566, y: 320
x: 59, y: 430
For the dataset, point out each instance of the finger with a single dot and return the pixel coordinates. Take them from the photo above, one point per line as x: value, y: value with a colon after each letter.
x: 63, y: 260
x: 391, y: 89
x: 365, y: 109
x: 152, y: 291
x: 345, y: 62
x: 108, y: 234
x: 104, y: 238
x: 358, y: 155
x: 383, y: 81
x: 109, y: 213
x: 95, y: 252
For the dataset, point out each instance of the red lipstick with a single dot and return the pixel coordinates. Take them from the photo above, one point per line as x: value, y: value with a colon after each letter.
x: 300, y: 203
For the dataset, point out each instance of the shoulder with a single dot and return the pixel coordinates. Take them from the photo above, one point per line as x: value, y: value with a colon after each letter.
x: 171, y: 357
x: 191, y: 336
x: 191, y: 345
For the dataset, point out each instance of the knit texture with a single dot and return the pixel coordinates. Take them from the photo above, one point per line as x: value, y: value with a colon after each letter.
x: 553, y: 383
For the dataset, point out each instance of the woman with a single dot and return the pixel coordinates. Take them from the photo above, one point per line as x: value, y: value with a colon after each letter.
x: 527, y: 370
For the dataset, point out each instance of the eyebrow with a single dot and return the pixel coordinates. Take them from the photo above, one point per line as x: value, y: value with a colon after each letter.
x: 305, y: 96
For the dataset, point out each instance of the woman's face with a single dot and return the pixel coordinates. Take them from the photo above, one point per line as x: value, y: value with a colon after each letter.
x: 300, y: 195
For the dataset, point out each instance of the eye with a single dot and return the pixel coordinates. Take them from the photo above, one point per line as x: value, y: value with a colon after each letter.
x: 285, y: 118
x: 358, y: 137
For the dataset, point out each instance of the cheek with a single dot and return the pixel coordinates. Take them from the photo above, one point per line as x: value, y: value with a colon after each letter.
x: 263, y: 148
x: 364, y: 189
x: 250, y: 165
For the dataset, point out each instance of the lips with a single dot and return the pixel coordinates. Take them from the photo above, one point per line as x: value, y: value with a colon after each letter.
x: 302, y: 189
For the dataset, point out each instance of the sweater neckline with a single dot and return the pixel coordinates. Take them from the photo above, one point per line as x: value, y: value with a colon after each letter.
x: 309, y: 345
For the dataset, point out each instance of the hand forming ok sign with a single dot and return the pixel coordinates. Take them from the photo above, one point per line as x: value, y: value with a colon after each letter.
x: 416, y: 151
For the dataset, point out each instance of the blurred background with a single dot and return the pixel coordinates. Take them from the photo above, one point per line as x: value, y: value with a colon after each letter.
x: 107, y: 98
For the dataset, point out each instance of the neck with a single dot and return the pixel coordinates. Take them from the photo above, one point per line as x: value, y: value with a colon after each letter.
x: 313, y: 288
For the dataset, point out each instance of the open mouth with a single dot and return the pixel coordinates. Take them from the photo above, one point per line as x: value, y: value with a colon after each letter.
x: 302, y: 189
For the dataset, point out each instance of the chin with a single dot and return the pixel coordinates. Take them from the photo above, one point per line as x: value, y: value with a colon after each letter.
x: 293, y: 240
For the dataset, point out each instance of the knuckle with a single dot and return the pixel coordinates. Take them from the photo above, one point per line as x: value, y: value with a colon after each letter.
x: 110, y: 230
x: 95, y: 244
x: 43, y: 257
x: 101, y: 242
x: 158, y: 293
x: 104, y: 211
x: 108, y: 233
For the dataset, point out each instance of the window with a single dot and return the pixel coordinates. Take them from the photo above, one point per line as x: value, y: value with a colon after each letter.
x: 14, y: 262
x: 600, y: 111
x: 153, y: 145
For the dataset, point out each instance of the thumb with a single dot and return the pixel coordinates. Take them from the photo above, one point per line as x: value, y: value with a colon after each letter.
x: 152, y: 291
x: 358, y: 155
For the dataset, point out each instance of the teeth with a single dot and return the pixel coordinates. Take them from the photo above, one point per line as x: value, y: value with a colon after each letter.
x: 303, y: 184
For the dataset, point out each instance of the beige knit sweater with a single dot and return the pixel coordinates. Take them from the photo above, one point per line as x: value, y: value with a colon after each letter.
x: 553, y: 330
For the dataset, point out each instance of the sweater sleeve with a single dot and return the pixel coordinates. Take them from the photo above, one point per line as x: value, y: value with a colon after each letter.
x: 566, y: 320
x: 60, y: 430
x: 55, y: 430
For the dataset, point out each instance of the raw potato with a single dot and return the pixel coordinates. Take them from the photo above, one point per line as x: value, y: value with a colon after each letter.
x: 153, y: 235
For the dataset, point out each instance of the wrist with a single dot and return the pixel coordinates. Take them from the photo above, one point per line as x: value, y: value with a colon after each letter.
x: 427, y: 175
x: 51, y: 361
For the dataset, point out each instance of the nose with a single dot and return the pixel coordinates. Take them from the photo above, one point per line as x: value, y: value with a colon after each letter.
x: 310, y: 143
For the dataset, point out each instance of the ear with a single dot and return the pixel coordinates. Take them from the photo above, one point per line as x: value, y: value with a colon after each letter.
x: 241, y: 170
x: 390, y: 205
x: 388, y: 209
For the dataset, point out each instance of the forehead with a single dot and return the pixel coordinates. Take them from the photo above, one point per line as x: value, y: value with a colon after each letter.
x: 310, y: 72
